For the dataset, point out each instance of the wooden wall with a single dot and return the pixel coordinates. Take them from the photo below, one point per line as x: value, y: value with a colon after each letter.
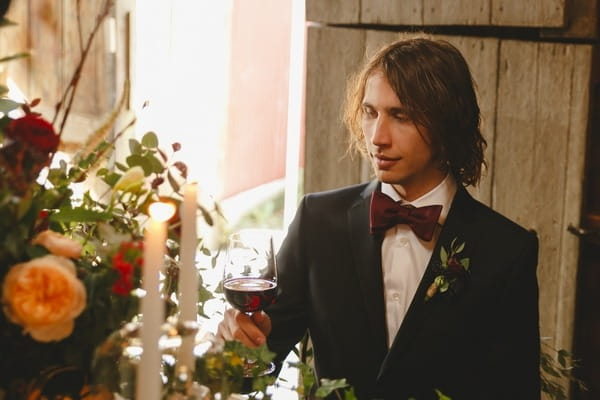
x: 534, y: 97
x: 48, y: 30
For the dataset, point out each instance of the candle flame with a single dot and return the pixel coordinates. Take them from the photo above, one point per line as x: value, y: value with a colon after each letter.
x: 161, y: 211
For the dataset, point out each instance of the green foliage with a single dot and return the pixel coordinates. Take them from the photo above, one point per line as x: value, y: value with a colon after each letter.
x: 557, y: 372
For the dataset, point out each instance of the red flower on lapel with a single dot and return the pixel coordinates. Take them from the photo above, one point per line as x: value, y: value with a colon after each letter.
x: 452, y: 272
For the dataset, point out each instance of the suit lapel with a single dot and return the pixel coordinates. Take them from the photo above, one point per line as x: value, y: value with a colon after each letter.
x: 367, y: 255
x: 456, y: 221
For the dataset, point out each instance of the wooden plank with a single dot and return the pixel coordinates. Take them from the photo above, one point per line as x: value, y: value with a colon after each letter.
x: 405, y: 12
x: 538, y: 163
x: 582, y: 21
x: 514, y: 166
x: 517, y: 83
x: 333, y: 11
x: 482, y: 56
x: 555, y: 64
x: 332, y: 55
x: 95, y: 92
x: 457, y: 12
x: 13, y: 40
x: 573, y: 192
x: 46, y: 61
x: 539, y: 13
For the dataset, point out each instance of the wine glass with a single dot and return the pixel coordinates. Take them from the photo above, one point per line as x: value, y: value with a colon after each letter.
x: 250, y: 277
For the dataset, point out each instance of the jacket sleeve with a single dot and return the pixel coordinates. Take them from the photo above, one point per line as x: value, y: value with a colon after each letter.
x: 289, y: 313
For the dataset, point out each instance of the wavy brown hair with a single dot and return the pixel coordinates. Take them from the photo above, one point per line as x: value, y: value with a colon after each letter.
x: 432, y: 80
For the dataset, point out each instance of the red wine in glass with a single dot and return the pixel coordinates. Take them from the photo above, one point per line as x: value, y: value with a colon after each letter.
x: 250, y: 294
x: 250, y: 277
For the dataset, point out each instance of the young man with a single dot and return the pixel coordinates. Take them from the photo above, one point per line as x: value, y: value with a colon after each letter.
x: 407, y: 284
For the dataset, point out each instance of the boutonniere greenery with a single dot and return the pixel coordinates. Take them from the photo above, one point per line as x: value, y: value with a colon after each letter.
x: 452, y: 273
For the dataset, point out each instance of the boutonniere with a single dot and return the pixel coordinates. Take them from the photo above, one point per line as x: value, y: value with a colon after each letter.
x: 452, y: 273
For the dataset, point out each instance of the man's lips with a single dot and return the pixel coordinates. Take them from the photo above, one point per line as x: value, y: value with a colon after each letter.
x: 385, y: 162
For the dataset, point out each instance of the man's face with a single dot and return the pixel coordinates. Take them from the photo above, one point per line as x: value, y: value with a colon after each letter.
x: 401, y: 154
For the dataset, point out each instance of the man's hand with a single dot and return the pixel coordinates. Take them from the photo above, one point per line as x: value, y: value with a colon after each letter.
x: 251, y: 331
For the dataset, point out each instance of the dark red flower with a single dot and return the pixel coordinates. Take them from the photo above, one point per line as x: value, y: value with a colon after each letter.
x: 127, y: 259
x: 35, y: 131
x: 124, y: 284
x: 455, y: 267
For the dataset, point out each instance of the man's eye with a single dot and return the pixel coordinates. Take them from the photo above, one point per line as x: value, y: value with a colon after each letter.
x: 369, y: 112
x: 401, y: 117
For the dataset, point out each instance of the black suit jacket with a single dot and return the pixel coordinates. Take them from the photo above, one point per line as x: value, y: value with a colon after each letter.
x: 479, y: 343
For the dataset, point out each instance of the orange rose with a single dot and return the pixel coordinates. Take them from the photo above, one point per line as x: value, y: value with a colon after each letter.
x: 44, y: 296
x: 58, y: 244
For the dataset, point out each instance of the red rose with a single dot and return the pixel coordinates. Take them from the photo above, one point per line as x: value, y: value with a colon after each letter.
x: 125, y: 261
x: 35, y: 131
x: 455, y: 267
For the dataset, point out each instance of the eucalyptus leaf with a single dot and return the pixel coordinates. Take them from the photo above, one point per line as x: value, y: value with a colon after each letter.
x: 460, y: 248
x: 121, y: 167
x: 102, y: 172
x: 563, y: 355
x: 111, y: 179
x: 443, y: 256
x: 156, y: 165
x: 79, y: 214
x: 441, y: 396
x: 136, y: 159
x: 150, y: 140
x: 328, y: 386
x: 135, y: 147
x: 465, y: 262
x: 7, y: 105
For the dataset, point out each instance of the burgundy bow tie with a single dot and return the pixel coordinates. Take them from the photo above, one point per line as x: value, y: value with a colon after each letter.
x: 386, y: 213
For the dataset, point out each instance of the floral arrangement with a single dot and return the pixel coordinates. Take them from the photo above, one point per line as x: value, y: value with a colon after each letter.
x: 70, y: 265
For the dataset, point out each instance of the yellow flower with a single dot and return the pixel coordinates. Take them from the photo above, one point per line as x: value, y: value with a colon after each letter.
x: 131, y: 180
x: 58, y: 244
x: 44, y: 296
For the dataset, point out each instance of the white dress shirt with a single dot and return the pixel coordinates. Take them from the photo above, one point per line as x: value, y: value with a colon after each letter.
x: 404, y: 257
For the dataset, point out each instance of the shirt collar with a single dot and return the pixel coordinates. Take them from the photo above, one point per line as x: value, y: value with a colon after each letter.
x: 442, y: 194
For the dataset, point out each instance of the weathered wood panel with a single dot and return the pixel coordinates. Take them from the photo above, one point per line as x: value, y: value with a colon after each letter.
x: 46, y: 61
x: 332, y: 55
x: 457, y: 12
x: 573, y: 192
x: 538, y: 13
x: 541, y: 114
x: 333, y: 11
x: 582, y: 21
x: 95, y: 92
x: 405, y: 12
x: 13, y: 40
x: 48, y: 29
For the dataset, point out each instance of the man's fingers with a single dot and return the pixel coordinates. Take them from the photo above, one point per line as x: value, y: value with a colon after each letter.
x: 239, y: 326
x: 263, y: 322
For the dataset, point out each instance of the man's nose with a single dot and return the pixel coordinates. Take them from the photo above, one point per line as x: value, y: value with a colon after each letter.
x: 381, y: 132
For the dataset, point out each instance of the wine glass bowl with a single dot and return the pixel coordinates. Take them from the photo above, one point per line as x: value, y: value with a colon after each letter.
x: 250, y: 274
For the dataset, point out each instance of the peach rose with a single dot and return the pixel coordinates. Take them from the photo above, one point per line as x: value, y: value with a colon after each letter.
x: 58, y: 244
x: 44, y: 296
